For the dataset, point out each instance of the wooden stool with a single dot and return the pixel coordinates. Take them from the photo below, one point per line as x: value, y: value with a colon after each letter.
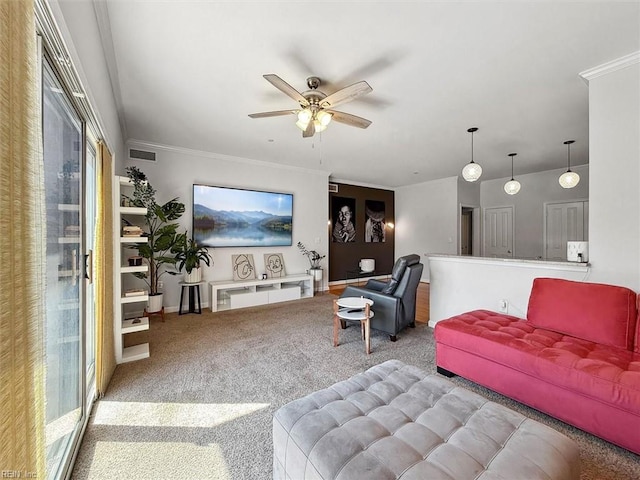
x: 148, y: 314
x: 353, y: 309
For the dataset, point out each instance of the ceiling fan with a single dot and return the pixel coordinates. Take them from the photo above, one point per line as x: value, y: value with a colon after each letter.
x: 316, y: 108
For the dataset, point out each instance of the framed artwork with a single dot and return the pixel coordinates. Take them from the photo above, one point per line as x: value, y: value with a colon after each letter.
x: 343, y: 212
x: 244, y: 267
x: 374, y: 221
x: 274, y: 265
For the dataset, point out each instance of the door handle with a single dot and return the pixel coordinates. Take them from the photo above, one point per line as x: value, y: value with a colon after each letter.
x: 88, y: 266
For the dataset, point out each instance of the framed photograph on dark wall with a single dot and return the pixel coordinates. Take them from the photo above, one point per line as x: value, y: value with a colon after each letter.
x: 374, y: 221
x: 343, y: 212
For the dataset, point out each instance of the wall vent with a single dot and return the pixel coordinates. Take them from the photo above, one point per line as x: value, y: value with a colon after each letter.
x: 142, y: 155
x: 333, y: 188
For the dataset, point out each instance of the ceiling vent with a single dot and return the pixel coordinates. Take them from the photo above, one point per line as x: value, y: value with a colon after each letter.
x: 142, y: 155
x: 333, y: 188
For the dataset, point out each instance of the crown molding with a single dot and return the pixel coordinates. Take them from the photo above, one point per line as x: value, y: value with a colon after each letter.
x: 132, y: 142
x: 609, y: 67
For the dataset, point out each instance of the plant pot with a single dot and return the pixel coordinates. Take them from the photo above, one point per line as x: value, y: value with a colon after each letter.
x: 194, y: 277
x: 155, y: 303
x: 317, y: 273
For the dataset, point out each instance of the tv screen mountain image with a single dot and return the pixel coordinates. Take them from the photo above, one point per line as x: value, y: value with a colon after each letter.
x: 235, y: 217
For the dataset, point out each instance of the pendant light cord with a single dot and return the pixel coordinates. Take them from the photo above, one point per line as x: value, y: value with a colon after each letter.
x: 512, y: 155
x: 471, y: 147
x: 568, y: 144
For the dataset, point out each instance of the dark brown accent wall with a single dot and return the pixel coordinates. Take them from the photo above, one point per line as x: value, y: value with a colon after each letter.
x: 346, y: 256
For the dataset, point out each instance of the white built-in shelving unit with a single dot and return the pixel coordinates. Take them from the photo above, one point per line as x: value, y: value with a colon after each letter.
x: 123, y: 325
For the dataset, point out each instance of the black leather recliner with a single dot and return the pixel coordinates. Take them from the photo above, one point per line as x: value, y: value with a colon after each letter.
x: 394, y: 301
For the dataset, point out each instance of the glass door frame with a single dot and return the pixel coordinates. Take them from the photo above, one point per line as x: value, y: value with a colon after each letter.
x: 86, y: 376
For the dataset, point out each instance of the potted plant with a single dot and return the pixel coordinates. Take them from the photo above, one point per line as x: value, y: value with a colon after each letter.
x: 314, y: 260
x: 163, y: 240
x: 189, y: 256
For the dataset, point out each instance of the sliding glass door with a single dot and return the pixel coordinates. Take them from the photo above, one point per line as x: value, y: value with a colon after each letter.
x: 69, y: 167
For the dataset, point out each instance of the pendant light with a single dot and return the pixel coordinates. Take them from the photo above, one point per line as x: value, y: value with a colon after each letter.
x: 512, y: 186
x: 472, y: 171
x: 569, y: 179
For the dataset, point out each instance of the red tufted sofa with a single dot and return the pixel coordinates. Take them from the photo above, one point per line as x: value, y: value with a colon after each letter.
x: 575, y: 357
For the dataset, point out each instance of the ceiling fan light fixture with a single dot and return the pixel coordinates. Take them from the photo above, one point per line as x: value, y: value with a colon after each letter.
x: 319, y: 126
x: 324, y: 118
x: 304, y: 115
x: 472, y: 171
x: 512, y: 186
x: 313, y: 102
x: 569, y: 179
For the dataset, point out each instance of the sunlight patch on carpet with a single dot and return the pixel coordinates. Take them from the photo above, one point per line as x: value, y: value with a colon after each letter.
x: 146, y: 414
x: 148, y: 460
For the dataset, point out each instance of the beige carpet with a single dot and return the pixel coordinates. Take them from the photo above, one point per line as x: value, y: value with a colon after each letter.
x: 201, y: 406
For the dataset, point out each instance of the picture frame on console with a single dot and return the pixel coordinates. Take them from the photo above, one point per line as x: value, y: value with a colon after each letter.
x: 244, y: 267
x: 274, y: 265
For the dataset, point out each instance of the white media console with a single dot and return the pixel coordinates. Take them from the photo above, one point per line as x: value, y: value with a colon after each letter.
x: 227, y: 294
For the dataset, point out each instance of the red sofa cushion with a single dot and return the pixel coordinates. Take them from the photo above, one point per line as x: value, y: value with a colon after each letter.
x: 637, y: 344
x: 608, y: 374
x: 604, y: 314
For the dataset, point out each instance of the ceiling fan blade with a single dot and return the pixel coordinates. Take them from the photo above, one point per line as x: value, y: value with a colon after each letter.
x: 349, y: 119
x: 346, y: 94
x: 276, y: 113
x: 285, y: 88
x: 310, y: 131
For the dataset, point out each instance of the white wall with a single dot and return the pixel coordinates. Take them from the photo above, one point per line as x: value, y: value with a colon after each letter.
x: 462, y: 284
x: 468, y: 193
x: 537, y: 188
x: 427, y: 219
x: 175, y: 172
x: 614, y: 146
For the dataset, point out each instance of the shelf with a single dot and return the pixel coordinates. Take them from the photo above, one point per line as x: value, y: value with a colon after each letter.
x: 73, y: 305
x: 69, y: 240
x: 129, y: 327
x: 133, y: 210
x: 137, y: 352
x: 122, y: 244
x: 68, y: 207
x: 135, y: 269
x: 134, y: 299
x: 134, y: 239
x: 68, y: 273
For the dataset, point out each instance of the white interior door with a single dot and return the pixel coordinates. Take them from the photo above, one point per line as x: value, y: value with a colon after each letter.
x: 564, y: 222
x: 498, y: 232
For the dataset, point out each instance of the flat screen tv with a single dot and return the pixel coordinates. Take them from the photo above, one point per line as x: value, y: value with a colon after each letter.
x: 235, y: 217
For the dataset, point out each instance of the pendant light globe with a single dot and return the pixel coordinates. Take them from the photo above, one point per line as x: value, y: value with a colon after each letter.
x: 569, y: 179
x: 472, y: 171
x: 512, y: 186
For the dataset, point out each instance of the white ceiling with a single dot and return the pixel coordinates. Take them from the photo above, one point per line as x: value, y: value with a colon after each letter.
x: 187, y: 74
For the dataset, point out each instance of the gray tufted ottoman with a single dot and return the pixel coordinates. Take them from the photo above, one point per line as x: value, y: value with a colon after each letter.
x: 396, y: 421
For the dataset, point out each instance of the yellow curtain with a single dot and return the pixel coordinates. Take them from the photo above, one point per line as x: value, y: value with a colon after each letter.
x: 22, y: 247
x: 105, y: 351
